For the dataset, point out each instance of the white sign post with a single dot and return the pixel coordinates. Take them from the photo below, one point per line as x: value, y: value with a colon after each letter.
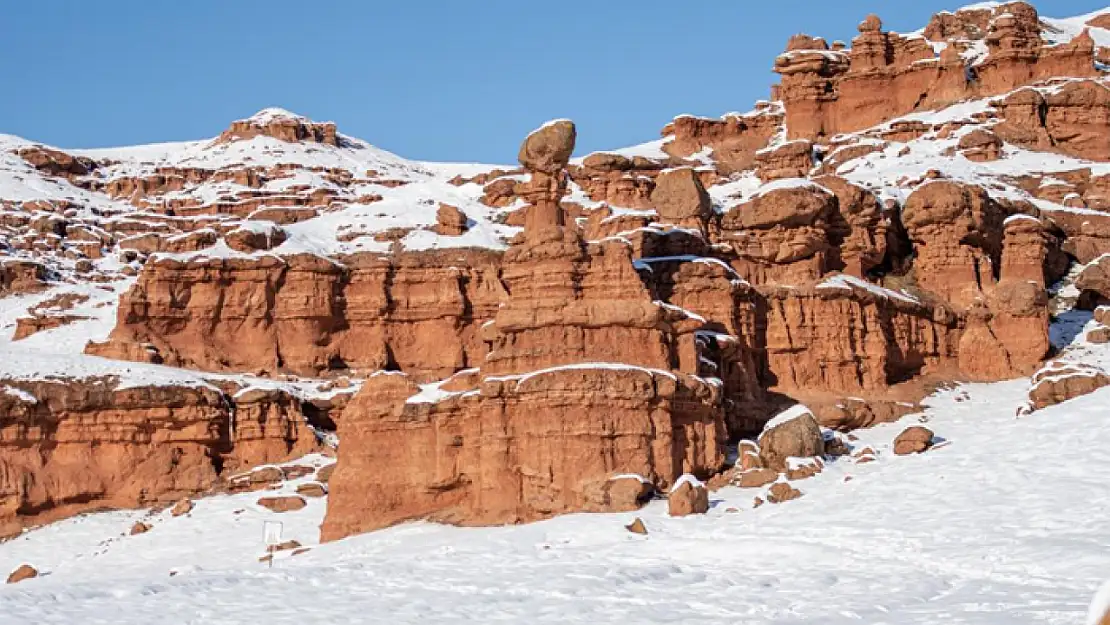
x: 271, y: 535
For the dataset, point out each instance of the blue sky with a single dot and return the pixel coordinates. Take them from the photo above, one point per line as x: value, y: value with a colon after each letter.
x: 437, y: 80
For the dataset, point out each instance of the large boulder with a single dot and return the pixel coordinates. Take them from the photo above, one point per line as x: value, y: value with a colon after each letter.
x: 688, y: 496
x: 450, y: 221
x: 25, y: 571
x: 185, y: 506
x: 1058, y: 383
x: 782, y: 492
x: 981, y: 145
x: 794, y: 433
x: 549, y: 147
x: 913, y: 440
x: 288, y: 503
x: 1094, y: 282
x: 680, y: 196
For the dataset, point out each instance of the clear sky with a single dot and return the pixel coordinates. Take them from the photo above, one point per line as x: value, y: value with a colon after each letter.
x: 429, y: 79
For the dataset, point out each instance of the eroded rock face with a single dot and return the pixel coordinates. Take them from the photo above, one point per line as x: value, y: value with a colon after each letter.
x: 1072, y: 119
x: 304, y: 314
x: 842, y: 337
x: 1094, y: 283
x: 66, y: 447
x: 680, y: 198
x: 793, y: 159
x: 732, y: 140
x: 481, y: 455
x: 886, y: 75
x: 956, y: 230
x: 782, y: 234
x: 610, y: 421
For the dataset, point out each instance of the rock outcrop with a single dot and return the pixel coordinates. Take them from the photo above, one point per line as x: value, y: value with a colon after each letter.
x: 1093, y: 283
x: 885, y: 75
x: 579, y: 341
x: 913, y: 440
x: 794, y: 434
x: 688, y: 496
x: 21, y: 573
x: 66, y: 447
x: 1057, y: 383
x: 281, y: 125
x: 1072, y: 119
x: 304, y: 314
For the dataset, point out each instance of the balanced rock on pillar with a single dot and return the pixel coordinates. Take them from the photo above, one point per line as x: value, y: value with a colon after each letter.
x: 545, y: 153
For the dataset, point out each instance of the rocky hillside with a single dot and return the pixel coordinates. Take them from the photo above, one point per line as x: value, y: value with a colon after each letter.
x: 499, y: 344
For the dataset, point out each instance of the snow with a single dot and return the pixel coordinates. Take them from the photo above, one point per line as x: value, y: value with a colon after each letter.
x: 790, y: 183
x: 646, y: 263
x: 582, y: 366
x: 845, y: 281
x: 630, y: 476
x: 1100, y: 606
x: 796, y: 411
x: 432, y: 394
x: 21, y: 395
x: 687, y: 479
x: 1061, y: 31
x: 267, y: 115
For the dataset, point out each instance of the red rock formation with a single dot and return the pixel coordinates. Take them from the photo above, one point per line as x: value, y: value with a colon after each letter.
x: 1093, y: 283
x: 849, y: 337
x: 285, y: 503
x: 794, y: 437
x: 21, y: 276
x: 280, y: 125
x: 617, y: 180
x: 305, y: 314
x: 886, y: 75
x: 689, y: 496
x: 793, y: 159
x: 450, y: 221
x: 1060, y: 382
x: 1072, y: 119
x: 680, y: 199
x: 55, y: 162
x: 21, y: 573
x: 483, y: 456
x: 956, y: 233
x: 545, y: 153
x: 980, y: 145
x: 579, y: 341
x: 67, y: 447
x: 732, y: 140
x: 253, y: 239
x: 781, y: 235
x: 913, y: 440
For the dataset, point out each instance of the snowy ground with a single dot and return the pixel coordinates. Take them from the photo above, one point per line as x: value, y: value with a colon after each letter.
x: 1002, y: 525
